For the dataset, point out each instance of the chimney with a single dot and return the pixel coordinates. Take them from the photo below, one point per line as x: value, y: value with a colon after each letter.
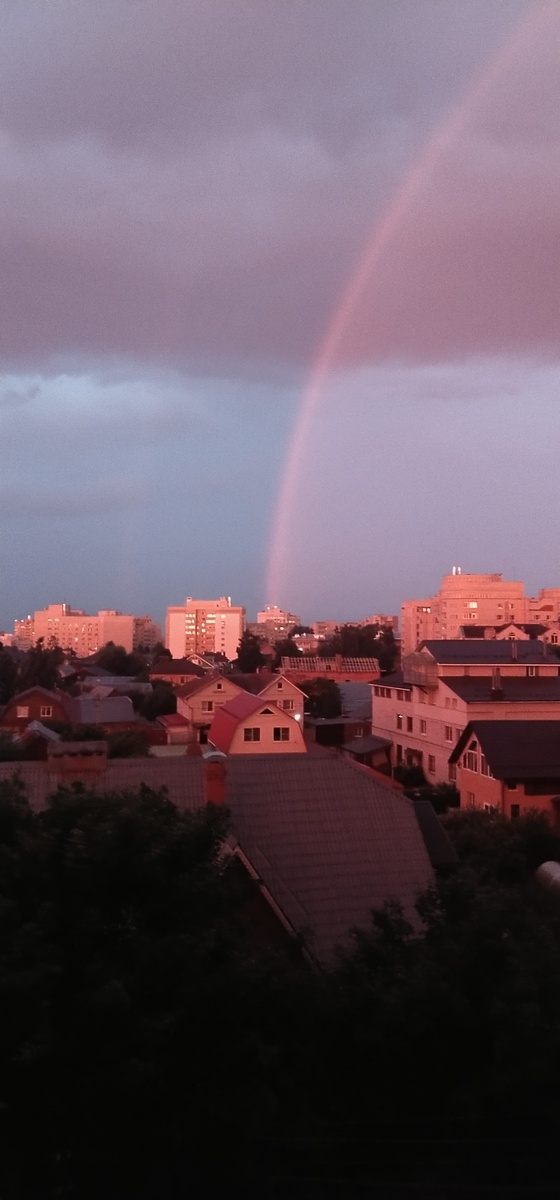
x: 496, y: 690
x: 214, y: 783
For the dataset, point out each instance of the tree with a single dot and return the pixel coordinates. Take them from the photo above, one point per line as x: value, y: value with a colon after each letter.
x: 249, y: 654
x: 363, y: 641
x: 323, y: 698
x: 8, y: 676
x: 157, y: 703
x: 40, y: 668
x: 285, y: 648
x: 118, y: 661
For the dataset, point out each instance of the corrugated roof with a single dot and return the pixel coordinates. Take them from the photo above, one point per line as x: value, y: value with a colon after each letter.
x: 329, y: 842
x: 514, y: 689
x: 515, y: 749
x: 483, y: 650
x: 90, y: 710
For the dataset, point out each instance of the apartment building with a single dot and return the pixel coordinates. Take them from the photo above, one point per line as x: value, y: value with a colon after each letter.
x: 204, y: 627
x: 278, y: 616
x: 424, y: 708
x: 85, y: 634
x: 480, y: 600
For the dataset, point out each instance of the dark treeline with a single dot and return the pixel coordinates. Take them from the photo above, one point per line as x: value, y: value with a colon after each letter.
x: 150, y: 1042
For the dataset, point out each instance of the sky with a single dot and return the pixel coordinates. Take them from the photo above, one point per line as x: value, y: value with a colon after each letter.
x: 280, y: 301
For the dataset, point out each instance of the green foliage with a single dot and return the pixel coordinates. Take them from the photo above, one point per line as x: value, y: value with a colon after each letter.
x: 363, y: 641
x: 117, y: 661
x: 284, y: 648
x: 323, y: 698
x: 8, y: 676
x: 40, y: 668
x: 249, y: 654
x: 157, y: 703
x: 127, y: 743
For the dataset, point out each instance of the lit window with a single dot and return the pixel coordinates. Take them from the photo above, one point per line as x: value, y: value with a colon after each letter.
x: 399, y: 721
x: 281, y: 734
x: 22, y: 710
x: 252, y: 735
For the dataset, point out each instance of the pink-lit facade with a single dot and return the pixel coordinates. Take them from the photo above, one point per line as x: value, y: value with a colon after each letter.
x: 204, y: 627
x: 424, y: 716
x: 486, y: 599
x: 85, y: 634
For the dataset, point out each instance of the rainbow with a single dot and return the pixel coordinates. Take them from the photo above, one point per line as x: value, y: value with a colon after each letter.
x: 384, y: 233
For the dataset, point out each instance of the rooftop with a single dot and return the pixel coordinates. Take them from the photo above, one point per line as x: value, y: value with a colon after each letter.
x: 516, y: 749
x: 487, y: 650
x: 328, y: 841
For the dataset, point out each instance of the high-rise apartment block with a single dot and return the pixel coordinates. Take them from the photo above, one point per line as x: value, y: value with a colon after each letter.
x: 482, y: 600
x: 277, y: 616
x: 74, y: 629
x: 204, y: 627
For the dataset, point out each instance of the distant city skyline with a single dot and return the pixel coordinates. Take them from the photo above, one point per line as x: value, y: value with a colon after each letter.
x: 280, y: 301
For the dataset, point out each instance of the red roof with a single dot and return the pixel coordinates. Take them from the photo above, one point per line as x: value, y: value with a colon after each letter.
x: 230, y: 715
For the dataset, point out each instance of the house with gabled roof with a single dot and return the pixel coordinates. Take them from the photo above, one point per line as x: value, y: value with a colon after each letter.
x: 254, y: 725
x: 273, y: 686
x: 324, y: 842
x: 511, y: 768
x: 35, y: 704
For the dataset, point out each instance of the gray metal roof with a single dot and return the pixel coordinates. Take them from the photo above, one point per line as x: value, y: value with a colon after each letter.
x: 491, y: 651
x: 514, y: 689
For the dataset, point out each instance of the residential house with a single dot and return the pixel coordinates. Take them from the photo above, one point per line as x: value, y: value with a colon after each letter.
x: 425, y: 707
x: 511, y: 769
x: 252, y: 725
x: 271, y: 686
x: 324, y: 842
x: 199, y: 700
x: 176, y: 671
x: 35, y: 704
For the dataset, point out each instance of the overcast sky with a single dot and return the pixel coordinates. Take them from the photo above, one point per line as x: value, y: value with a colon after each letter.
x: 188, y: 189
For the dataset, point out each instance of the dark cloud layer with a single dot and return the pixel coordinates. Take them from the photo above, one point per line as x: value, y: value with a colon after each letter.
x: 195, y: 182
x: 186, y: 190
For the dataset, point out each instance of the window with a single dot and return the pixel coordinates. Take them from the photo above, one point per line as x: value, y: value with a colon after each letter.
x: 208, y: 706
x: 431, y: 764
x: 470, y: 799
x: 448, y: 733
x: 511, y: 785
x: 399, y: 721
x: 531, y: 670
x: 22, y: 710
x: 452, y: 773
x: 409, y: 724
x: 287, y: 705
x: 219, y: 687
x: 400, y: 694
x: 280, y: 685
x: 422, y: 726
x: 252, y: 735
x: 281, y: 734
x: 408, y: 695
x: 484, y: 768
x: 470, y: 760
x: 554, y: 639
x: 46, y: 710
x: 448, y: 701
x: 399, y: 754
x: 376, y: 691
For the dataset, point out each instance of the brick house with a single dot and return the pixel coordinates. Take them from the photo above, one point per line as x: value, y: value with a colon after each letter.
x: 511, y: 769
